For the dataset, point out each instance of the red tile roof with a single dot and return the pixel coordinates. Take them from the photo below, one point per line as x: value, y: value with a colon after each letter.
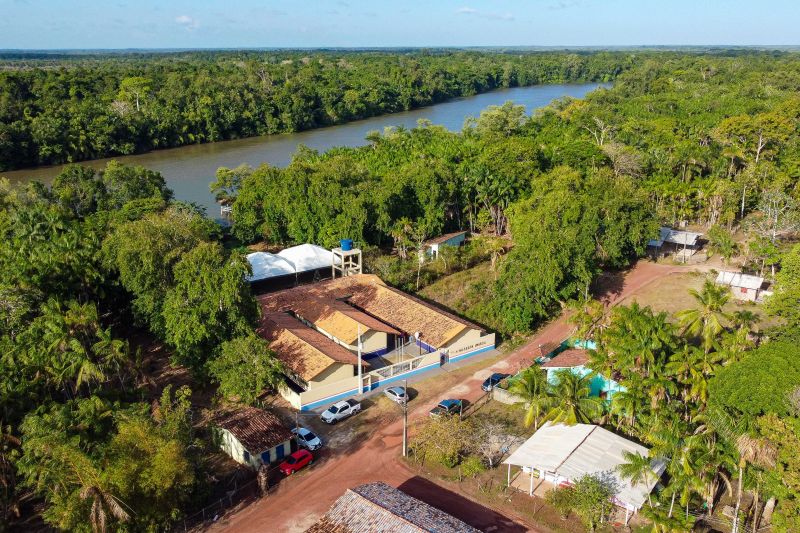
x: 378, y: 507
x: 568, y: 359
x: 304, y: 350
x: 256, y: 429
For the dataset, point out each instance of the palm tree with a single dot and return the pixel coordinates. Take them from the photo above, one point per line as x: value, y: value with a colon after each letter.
x: 638, y: 469
x: 103, y: 505
x: 626, y: 404
x: 587, y: 316
x: 495, y: 247
x: 532, y: 386
x: 706, y: 321
x: 572, y: 402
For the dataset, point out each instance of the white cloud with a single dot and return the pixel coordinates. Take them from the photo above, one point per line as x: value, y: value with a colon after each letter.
x: 484, y: 14
x: 187, y: 22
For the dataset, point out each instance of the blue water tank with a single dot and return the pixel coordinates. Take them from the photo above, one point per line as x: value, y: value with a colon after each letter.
x: 347, y: 244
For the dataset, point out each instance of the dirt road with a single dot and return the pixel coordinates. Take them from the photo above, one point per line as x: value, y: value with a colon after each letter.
x: 298, y: 502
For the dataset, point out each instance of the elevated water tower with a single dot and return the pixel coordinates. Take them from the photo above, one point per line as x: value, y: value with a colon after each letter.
x: 346, y: 260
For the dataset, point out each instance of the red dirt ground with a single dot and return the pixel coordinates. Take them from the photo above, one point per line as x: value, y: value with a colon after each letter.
x: 298, y: 502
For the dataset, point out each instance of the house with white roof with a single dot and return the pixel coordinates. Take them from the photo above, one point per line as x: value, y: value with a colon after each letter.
x: 743, y: 286
x: 558, y: 455
x: 684, y: 244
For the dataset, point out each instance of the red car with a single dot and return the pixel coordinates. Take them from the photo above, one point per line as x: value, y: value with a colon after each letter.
x: 296, y: 461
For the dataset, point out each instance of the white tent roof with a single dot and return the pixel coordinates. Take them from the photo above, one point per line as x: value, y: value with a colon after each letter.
x: 266, y: 265
x: 737, y: 279
x: 307, y: 257
x: 573, y: 451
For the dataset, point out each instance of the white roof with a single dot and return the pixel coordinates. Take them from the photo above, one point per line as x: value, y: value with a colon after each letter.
x: 675, y: 236
x: 307, y: 257
x: 580, y: 449
x: 737, y: 279
x: 266, y: 265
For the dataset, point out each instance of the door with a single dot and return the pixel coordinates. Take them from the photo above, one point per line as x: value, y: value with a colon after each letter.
x: 279, y: 452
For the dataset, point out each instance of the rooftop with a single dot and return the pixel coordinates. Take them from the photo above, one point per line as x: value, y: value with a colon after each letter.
x: 332, y: 316
x: 674, y: 236
x: 737, y: 279
x: 381, y: 508
x: 573, y: 451
x: 256, y: 429
x: 446, y: 237
x: 304, y: 350
x: 368, y: 297
x: 568, y: 359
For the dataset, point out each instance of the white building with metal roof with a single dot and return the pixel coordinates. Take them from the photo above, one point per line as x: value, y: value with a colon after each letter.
x: 743, y: 286
x: 560, y: 454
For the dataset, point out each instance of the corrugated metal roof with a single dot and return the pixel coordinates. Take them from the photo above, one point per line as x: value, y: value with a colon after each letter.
x: 674, y: 236
x: 574, y: 451
x: 446, y: 237
x: 381, y: 508
x: 737, y: 279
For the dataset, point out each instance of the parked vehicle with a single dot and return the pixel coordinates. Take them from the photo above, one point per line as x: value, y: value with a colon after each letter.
x: 295, y: 462
x: 307, y: 438
x: 397, y: 394
x: 493, y: 380
x: 447, y: 408
x: 340, y: 411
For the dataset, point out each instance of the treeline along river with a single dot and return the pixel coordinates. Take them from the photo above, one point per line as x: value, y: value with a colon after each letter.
x: 189, y: 170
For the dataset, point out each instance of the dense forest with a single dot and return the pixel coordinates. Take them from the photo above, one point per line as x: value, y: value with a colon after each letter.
x: 100, y: 265
x: 76, y: 108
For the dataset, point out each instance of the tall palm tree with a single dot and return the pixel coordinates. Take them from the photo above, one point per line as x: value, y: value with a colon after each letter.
x: 705, y: 321
x: 572, y: 402
x: 103, y: 505
x: 626, y: 404
x: 532, y: 386
x: 638, y: 469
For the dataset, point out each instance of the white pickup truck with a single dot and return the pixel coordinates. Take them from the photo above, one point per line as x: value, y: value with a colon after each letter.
x: 340, y: 411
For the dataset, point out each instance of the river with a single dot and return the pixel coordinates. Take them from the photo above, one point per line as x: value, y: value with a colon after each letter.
x: 188, y: 170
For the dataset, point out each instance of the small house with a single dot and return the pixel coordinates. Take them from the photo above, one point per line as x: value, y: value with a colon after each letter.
x: 558, y: 454
x: 576, y: 359
x: 744, y: 286
x: 684, y: 244
x: 252, y: 436
x: 449, y: 239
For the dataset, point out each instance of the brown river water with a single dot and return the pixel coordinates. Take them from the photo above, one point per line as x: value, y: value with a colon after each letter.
x: 188, y: 170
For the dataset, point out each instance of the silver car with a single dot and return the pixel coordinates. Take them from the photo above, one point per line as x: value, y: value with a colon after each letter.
x: 396, y: 394
x: 307, y: 438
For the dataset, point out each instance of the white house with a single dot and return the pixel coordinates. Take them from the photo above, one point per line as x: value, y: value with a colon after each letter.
x: 743, y: 286
x: 252, y: 436
x: 456, y: 238
x: 559, y: 454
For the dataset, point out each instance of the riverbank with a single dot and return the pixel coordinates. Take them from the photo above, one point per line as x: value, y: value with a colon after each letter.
x: 188, y: 170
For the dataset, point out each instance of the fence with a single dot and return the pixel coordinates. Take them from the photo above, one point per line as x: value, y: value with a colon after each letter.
x: 397, y: 368
x: 249, y: 490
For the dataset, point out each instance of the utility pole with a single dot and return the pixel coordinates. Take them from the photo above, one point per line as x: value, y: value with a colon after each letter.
x: 360, y: 379
x: 405, y: 419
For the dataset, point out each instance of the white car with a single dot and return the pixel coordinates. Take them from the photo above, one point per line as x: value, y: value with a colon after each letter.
x: 307, y: 438
x: 340, y: 411
x: 396, y: 394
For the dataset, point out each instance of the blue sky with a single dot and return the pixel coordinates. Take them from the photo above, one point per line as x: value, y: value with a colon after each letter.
x: 314, y: 23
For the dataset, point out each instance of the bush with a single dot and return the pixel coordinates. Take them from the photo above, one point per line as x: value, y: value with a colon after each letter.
x: 472, y: 466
